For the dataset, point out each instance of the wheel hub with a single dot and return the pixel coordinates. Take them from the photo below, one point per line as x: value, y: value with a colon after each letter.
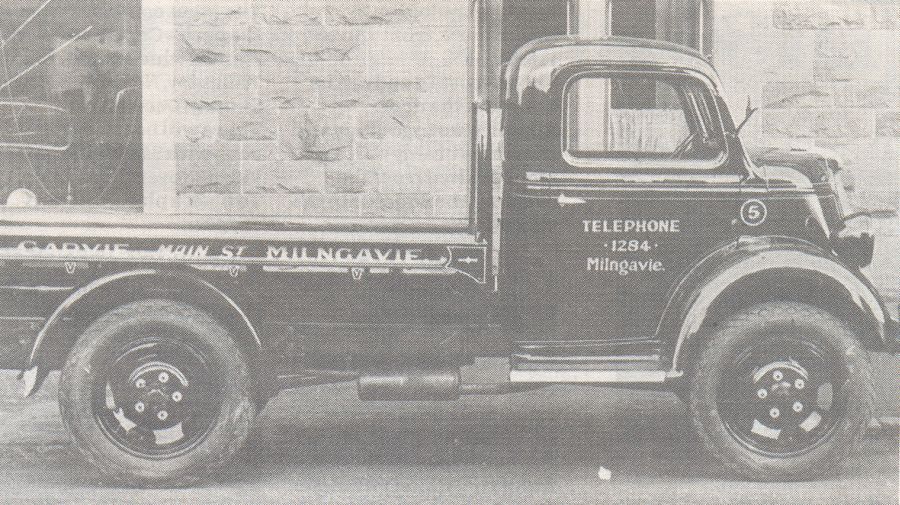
x: 158, y: 391
x: 781, y: 397
x: 159, y: 397
x: 781, y: 405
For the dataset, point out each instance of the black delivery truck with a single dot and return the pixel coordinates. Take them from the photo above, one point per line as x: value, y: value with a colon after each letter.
x: 592, y: 255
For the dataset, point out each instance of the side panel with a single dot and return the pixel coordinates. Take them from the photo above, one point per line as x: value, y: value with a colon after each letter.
x: 385, y: 322
x: 24, y: 308
x: 601, y: 268
x: 318, y: 304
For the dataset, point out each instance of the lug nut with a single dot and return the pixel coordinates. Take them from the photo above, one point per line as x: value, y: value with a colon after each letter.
x: 140, y: 383
x: 163, y: 415
x: 799, y: 384
x: 176, y: 396
x: 798, y: 407
x: 778, y: 375
x: 139, y: 407
x: 762, y: 394
x: 775, y: 413
x: 163, y: 377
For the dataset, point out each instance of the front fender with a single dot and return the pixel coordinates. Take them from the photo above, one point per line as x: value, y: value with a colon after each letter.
x: 763, y: 269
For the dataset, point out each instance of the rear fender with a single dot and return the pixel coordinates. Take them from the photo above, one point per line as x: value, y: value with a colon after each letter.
x: 769, y: 269
x: 82, y: 307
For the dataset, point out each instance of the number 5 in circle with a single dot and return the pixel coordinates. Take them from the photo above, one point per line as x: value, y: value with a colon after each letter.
x: 754, y: 212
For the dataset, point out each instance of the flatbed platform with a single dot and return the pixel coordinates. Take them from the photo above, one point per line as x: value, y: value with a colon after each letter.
x: 234, y: 247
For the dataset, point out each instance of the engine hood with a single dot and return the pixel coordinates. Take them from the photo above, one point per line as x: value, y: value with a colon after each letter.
x: 816, y: 166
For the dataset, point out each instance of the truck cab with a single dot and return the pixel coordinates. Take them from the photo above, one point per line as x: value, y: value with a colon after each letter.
x: 626, y: 187
x: 621, y: 236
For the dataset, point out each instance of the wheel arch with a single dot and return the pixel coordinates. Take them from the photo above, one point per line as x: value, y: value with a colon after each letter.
x: 789, y: 274
x: 82, y: 307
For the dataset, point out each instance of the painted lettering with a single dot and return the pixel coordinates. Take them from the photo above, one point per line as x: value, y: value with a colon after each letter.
x: 661, y: 226
x: 625, y: 267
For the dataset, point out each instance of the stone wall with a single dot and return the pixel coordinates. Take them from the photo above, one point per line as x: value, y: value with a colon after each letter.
x: 826, y: 74
x: 335, y: 108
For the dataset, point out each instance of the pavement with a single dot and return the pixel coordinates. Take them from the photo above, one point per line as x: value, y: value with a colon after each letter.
x: 322, y: 445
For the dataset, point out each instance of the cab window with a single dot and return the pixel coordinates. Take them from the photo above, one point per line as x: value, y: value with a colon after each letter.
x: 642, y: 120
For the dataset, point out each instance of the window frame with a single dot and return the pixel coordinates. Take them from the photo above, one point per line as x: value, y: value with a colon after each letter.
x: 624, y: 165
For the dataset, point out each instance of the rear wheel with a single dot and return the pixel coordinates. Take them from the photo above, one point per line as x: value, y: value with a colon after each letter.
x: 782, y: 392
x: 156, y: 393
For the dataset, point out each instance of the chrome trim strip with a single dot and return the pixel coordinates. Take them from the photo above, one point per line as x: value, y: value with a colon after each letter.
x: 634, y: 178
x: 588, y: 376
x: 48, y: 289
x: 652, y: 189
x: 587, y: 359
x: 153, y: 257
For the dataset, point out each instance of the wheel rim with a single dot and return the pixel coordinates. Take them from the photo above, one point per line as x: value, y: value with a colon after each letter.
x: 157, y: 398
x: 783, y: 397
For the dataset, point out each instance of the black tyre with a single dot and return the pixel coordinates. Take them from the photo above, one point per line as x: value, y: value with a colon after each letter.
x: 782, y: 392
x: 156, y: 393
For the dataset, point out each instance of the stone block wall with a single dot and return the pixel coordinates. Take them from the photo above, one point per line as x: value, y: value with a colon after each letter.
x: 826, y: 74
x: 320, y: 108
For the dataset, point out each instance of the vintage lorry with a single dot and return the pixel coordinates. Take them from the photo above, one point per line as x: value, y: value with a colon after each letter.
x: 619, y: 235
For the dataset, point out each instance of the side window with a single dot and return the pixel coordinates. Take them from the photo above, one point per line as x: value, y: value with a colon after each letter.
x: 640, y: 120
x: 70, y: 103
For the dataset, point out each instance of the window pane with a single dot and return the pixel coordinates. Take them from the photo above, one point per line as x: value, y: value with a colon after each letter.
x: 70, y: 101
x: 678, y: 21
x: 637, y: 117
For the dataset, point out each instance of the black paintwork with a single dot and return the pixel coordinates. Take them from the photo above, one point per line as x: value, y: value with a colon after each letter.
x: 356, y: 319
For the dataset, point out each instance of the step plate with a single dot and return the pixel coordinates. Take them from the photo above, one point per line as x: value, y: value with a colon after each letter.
x: 588, y: 376
x: 523, y: 362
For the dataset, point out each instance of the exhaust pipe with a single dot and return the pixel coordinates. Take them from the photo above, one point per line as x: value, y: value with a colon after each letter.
x: 434, y: 385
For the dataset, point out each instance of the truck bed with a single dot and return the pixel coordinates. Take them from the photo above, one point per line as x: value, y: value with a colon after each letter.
x: 78, y: 237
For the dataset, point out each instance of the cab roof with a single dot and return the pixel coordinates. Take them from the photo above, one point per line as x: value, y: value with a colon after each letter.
x: 537, y: 62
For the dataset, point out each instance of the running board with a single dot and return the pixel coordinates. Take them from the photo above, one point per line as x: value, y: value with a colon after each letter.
x: 589, y: 376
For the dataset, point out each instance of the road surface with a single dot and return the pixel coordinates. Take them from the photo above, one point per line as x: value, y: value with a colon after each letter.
x: 322, y: 445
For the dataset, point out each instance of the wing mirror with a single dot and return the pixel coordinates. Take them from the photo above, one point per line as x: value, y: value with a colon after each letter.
x: 33, y: 126
x: 748, y: 114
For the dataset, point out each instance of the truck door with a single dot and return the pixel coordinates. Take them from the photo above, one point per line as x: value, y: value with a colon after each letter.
x: 639, y: 190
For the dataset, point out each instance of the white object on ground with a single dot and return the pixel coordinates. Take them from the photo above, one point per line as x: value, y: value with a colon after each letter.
x: 604, y: 473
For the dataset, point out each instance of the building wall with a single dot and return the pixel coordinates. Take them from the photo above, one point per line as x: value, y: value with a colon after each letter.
x: 338, y: 108
x: 827, y: 75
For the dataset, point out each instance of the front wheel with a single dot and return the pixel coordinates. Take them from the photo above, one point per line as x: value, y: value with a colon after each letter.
x: 156, y: 393
x: 781, y: 392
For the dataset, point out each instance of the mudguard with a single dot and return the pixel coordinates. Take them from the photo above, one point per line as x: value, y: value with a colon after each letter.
x: 758, y: 269
x: 132, y: 282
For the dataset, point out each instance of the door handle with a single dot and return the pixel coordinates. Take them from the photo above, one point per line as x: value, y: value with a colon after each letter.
x: 564, y: 200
